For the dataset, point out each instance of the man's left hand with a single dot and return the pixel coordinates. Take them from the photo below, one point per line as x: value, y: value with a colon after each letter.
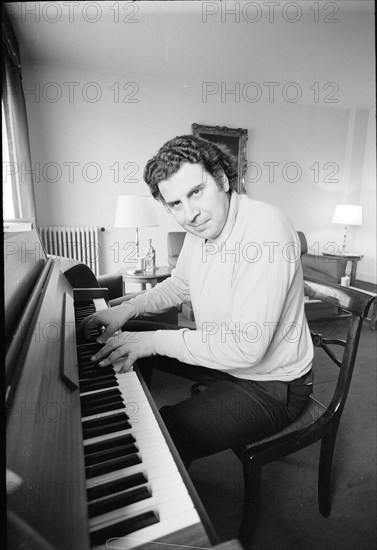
x: 125, y: 345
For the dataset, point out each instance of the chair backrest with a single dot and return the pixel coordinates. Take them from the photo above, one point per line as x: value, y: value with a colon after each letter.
x: 175, y: 243
x: 303, y: 242
x: 357, y: 303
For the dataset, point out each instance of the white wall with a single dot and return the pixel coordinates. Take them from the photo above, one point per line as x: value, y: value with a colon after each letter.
x: 324, y: 140
x: 365, y: 239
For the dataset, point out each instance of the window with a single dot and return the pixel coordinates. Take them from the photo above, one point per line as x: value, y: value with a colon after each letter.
x: 9, y: 210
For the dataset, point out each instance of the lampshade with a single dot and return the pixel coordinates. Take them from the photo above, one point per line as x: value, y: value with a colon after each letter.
x: 135, y: 211
x: 347, y: 214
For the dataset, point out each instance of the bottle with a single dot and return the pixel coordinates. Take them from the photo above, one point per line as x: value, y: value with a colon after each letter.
x: 150, y: 259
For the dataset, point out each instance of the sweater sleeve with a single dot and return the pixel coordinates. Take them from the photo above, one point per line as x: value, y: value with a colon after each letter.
x: 169, y: 293
x: 264, y: 279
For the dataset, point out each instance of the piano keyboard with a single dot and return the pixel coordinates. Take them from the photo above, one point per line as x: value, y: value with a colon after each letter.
x: 135, y: 491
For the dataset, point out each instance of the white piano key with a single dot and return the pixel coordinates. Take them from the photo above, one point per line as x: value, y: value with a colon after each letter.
x: 127, y: 386
x: 156, y: 479
x: 100, y: 303
x: 170, y: 499
x: 151, y: 438
x: 137, y: 416
x: 149, y: 454
x: 146, y: 434
x: 162, y: 488
x: 162, y: 465
x: 154, y: 532
x: 164, y: 509
x: 160, y: 494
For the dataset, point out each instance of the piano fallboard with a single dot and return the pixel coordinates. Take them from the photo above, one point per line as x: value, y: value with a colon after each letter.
x: 44, y: 439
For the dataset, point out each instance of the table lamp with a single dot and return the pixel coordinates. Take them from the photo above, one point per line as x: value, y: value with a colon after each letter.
x: 347, y: 214
x: 135, y: 211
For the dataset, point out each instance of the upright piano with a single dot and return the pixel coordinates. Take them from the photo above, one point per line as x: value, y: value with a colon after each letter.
x: 89, y: 461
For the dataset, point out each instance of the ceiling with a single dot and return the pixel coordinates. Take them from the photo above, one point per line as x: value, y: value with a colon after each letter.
x: 180, y: 40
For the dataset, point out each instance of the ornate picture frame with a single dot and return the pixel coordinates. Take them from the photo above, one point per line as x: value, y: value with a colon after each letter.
x: 233, y: 138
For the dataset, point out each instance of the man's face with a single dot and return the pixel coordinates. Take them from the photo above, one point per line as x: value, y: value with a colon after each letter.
x: 195, y: 200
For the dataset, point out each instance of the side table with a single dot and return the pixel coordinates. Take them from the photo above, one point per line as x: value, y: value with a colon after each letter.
x: 349, y: 256
x: 141, y: 277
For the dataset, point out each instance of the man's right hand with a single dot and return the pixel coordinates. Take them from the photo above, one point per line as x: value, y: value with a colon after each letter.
x: 111, y: 319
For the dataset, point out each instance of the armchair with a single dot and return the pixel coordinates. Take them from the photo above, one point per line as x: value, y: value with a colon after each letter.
x: 175, y: 243
x: 319, y: 267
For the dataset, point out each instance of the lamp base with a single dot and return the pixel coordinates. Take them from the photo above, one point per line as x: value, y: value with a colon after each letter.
x: 344, y: 244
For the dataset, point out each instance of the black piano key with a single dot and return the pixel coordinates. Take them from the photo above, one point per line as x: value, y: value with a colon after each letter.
x: 83, y: 313
x: 85, y: 351
x: 91, y: 338
x: 114, y: 405
x: 84, y: 360
x: 100, y: 374
x: 111, y: 391
x: 88, y: 353
x: 108, y: 424
x: 111, y: 465
x: 118, y: 500
x: 110, y: 443
x: 101, y: 396
x: 111, y: 487
x: 96, y: 375
x: 109, y: 454
x: 82, y: 316
x: 88, y: 346
x: 90, y: 398
x: 123, y: 528
x: 84, y: 309
x: 88, y: 385
x: 96, y: 431
x: 110, y: 419
x: 82, y: 341
x: 92, y: 372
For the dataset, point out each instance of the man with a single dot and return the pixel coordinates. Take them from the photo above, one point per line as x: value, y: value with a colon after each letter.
x: 240, y: 266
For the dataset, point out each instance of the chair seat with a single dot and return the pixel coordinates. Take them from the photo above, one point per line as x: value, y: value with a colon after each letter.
x: 313, y: 410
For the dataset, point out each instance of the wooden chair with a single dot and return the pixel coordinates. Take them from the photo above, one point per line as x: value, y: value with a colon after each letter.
x: 317, y: 422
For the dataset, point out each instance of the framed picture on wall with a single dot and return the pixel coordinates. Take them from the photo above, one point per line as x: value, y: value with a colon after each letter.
x: 233, y: 138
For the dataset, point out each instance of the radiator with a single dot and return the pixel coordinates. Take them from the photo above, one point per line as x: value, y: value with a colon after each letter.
x: 77, y: 243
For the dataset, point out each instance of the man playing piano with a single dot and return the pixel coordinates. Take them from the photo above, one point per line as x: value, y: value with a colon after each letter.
x: 251, y: 353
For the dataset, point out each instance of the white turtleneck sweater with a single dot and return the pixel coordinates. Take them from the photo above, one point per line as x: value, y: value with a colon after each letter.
x: 246, y: 290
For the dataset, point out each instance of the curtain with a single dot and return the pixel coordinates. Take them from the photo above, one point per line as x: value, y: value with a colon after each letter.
x: 19, y: 166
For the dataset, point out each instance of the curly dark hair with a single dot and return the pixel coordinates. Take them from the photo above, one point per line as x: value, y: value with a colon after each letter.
x: 215, y: 159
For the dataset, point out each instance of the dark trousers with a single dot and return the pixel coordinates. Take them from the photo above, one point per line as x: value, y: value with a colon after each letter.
x: 230, y: 411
